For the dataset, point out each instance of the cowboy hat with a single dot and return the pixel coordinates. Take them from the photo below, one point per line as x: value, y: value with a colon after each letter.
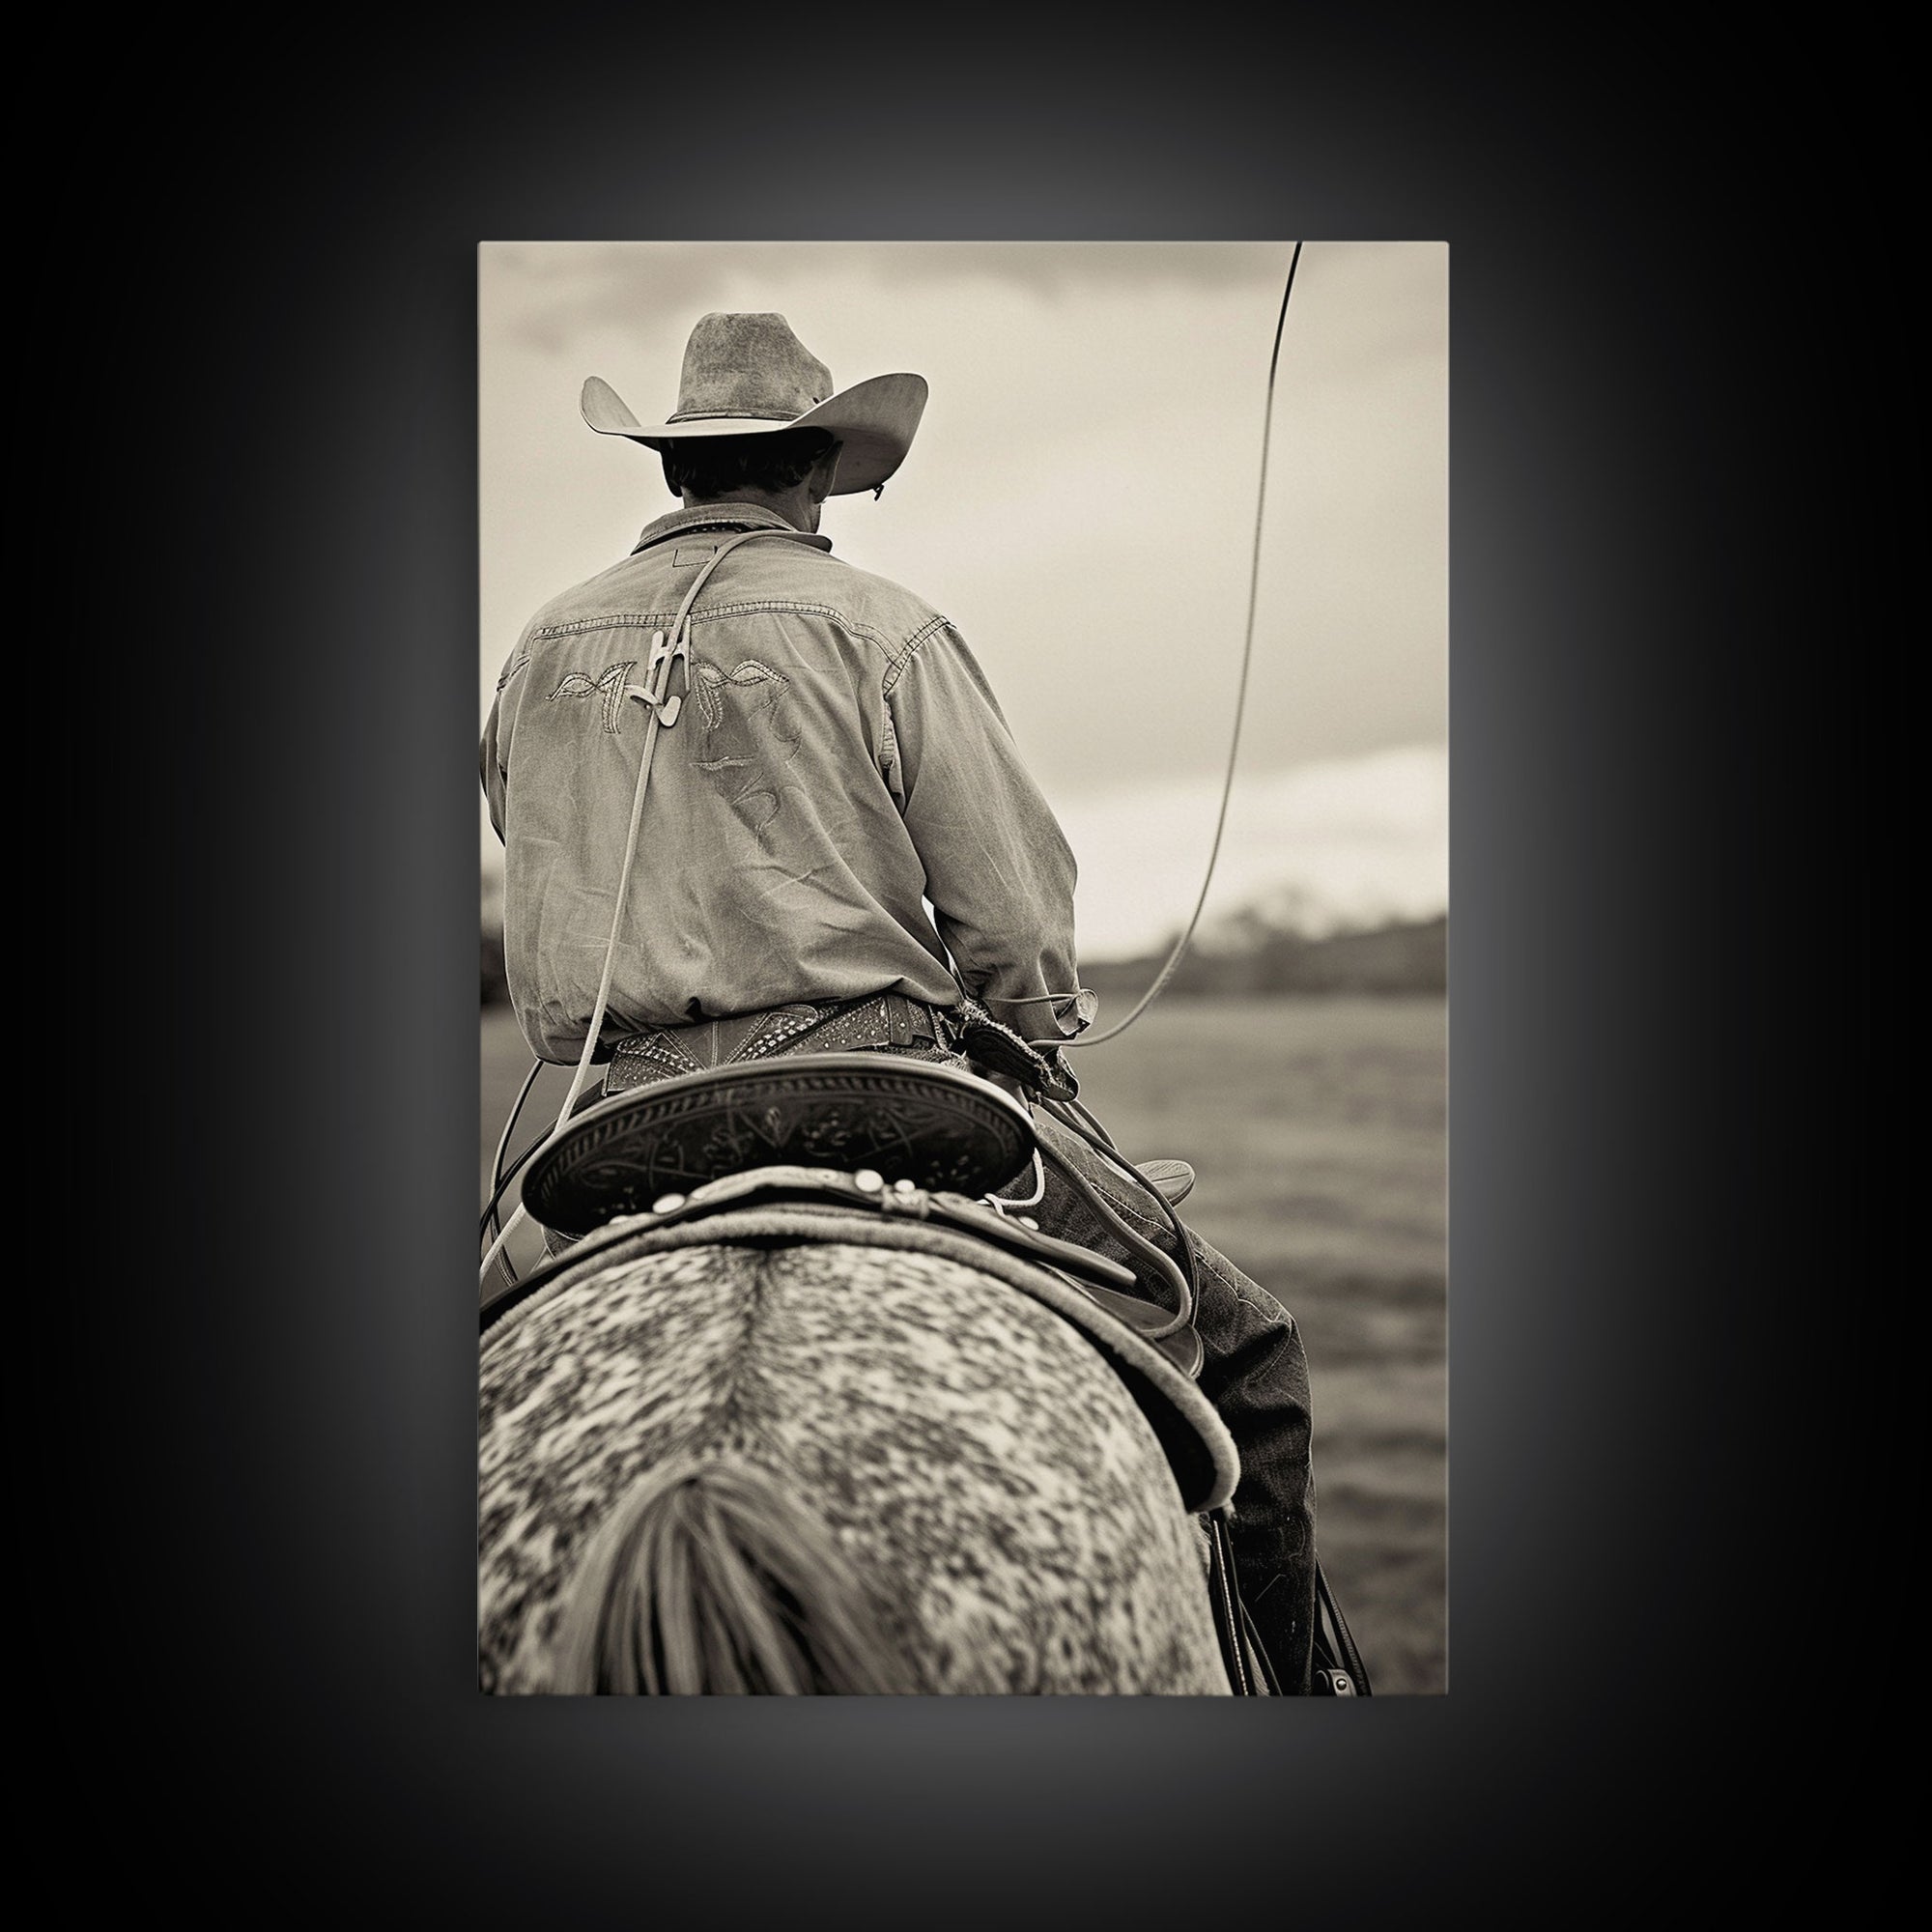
x: 749, y: 375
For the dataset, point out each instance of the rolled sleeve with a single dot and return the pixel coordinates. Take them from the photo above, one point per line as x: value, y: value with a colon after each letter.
x: 999, y: 873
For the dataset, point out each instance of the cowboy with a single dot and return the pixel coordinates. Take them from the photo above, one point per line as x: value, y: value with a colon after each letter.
x: 841, y: 766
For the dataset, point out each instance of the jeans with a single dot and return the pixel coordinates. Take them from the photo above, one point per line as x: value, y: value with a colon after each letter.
x: 1256, y: 1376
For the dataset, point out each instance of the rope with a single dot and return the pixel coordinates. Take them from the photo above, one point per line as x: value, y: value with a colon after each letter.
x: 487, y: 1226
x: 1180, y: 944
x: 654, y: 698
x: 499, y: 1180
x: 520, y: 1216
x: 1180, y: 1278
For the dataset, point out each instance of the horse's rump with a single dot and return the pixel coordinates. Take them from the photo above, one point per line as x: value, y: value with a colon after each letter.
x: 936, y: 1481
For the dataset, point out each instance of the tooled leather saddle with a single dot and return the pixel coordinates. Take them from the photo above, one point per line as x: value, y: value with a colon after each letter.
x: 861, y: 1130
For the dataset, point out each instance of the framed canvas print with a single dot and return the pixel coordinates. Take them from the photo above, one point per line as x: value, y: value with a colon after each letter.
x: 964, y: 852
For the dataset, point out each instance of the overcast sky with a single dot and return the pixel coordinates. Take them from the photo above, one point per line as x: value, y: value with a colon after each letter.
x: 1080, y: 502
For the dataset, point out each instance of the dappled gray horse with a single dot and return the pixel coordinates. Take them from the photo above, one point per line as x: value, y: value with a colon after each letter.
x: 870, y: 1460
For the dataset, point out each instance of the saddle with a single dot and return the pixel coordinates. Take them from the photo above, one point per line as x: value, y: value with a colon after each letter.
x: 933, y: 1125
x: 863, y: 1131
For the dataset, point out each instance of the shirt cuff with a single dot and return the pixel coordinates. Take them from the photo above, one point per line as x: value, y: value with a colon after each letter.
x: 1071, y: 1013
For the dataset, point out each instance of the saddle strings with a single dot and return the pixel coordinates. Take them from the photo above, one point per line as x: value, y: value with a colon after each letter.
x: 1180, y: 944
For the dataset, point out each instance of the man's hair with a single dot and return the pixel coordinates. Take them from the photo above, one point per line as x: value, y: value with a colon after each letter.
x: 708, y: 466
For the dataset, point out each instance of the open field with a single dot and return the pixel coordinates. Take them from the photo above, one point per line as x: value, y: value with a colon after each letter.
x: 1317, y: 1127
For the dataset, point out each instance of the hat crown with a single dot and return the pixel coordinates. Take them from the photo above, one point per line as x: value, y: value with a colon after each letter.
x: 749, y: 366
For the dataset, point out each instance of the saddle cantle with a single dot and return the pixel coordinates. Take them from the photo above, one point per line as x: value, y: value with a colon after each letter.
x: 936, y: 1126
x: 1098, y: 1279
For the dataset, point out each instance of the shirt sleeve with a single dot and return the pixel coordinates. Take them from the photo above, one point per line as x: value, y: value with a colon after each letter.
x: 999, y: 872
x: 492, y: 754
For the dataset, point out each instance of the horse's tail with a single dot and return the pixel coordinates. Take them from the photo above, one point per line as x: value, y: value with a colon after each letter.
x: 708, y: 1577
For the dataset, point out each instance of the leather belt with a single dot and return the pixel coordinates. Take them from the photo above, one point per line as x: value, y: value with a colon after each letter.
x: 823, y: 1026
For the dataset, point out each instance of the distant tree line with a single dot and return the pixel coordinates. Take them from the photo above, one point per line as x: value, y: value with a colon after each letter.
x: 1251, y: 958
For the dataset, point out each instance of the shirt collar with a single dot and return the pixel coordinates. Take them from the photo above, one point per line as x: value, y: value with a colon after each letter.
x: 721, y: 517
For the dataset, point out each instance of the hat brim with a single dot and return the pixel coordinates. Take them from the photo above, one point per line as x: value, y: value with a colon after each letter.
x: 874, y: 420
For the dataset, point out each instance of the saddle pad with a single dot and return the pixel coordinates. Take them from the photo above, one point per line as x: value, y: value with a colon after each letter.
x: 1194, y: 1439
x: 934, y: 1125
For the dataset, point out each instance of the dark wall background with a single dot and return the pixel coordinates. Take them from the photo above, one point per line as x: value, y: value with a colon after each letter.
x: 254, y: 330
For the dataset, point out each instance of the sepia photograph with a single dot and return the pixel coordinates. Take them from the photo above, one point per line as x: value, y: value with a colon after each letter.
x: 963, y: 760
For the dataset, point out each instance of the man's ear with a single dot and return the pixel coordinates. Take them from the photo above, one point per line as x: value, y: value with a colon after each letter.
x: 825, y: 474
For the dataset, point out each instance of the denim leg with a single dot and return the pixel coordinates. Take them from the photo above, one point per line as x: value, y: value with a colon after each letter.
x: 1256, y: 1376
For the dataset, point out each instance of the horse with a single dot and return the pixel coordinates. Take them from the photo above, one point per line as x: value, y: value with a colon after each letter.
x: 798, y: 1450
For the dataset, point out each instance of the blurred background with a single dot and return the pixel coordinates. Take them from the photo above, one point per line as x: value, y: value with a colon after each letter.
x: 1080, y: 502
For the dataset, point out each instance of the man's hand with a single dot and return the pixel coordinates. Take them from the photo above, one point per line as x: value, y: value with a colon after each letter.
x: 997, y: 1053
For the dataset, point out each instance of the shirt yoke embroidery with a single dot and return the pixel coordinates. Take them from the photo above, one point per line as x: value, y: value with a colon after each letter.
x: 898, y: 654
x: 610, y: 681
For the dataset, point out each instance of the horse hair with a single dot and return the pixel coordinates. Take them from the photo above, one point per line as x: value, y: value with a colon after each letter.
x: 709, y: 1577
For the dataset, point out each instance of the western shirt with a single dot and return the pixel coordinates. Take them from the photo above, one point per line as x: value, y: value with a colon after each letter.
x: 839, y: 762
